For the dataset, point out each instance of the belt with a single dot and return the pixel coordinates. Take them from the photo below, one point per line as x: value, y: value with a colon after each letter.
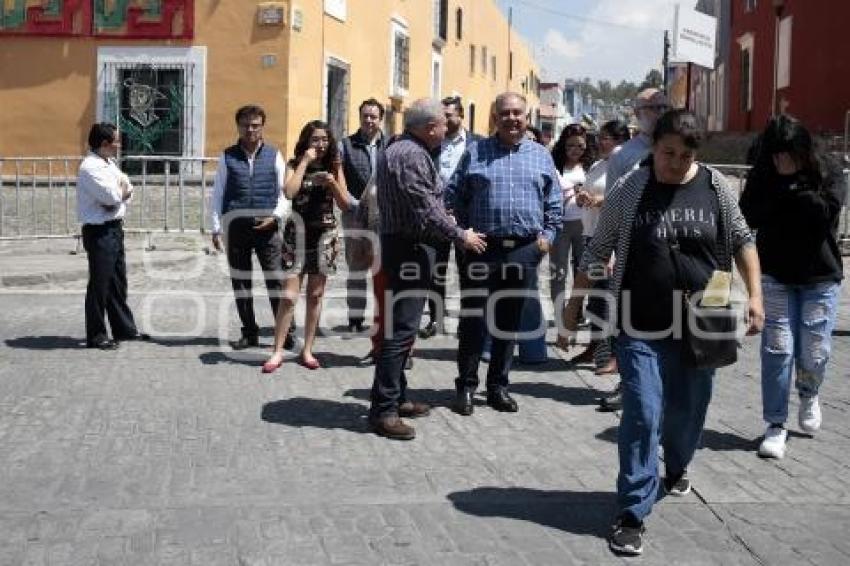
x: 510, y: 242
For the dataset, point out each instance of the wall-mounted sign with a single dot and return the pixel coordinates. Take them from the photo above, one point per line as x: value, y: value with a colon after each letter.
x: 336, y: 9
x: 271, y: 14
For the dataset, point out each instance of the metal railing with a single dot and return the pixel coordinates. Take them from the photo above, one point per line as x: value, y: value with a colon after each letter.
x: 38, y: 195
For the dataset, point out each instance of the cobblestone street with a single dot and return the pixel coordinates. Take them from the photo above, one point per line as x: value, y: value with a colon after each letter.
x: 179, y: 451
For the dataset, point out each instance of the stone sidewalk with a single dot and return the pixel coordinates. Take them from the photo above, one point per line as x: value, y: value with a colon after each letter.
x: 181, y: 452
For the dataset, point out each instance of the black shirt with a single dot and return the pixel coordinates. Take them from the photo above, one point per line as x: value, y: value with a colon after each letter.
x: 314, y: 202
x: 796, y: 218
x: 692, y: 211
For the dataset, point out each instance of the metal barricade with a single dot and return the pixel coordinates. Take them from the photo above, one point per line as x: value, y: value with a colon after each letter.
x: 38, y: 195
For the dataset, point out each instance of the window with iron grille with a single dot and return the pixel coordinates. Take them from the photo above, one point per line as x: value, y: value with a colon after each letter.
x: 459, y: 24
x: 471, y: 59
x: 401, y: 63
x: 484, y: 59
x: 746, y: 81
x: 150, y: 104
x: 493, y: 66
x: 337, y: 97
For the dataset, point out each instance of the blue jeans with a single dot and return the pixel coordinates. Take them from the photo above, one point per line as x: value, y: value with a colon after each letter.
x: 502, y: 268
x: 798, y: 325
x: 662, y: 397
x: 409, y: 266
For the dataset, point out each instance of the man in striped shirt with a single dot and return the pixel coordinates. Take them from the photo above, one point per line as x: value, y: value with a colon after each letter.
x: 505, y: 186
x: 413, y: 220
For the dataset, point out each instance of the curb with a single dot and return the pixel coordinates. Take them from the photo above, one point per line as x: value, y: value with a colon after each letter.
x: 68, y: 276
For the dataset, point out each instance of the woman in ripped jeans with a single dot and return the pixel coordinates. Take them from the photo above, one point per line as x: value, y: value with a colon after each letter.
x: 793, y: 198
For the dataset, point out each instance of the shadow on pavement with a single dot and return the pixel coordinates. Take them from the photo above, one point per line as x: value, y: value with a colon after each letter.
x: 433, y: 397
x: 214, y: 358
x: 580, y: 513
x: 571, y: 395
x: 188, y: 341
x: 316, y: 413
x: 46, y: 343
x: 711, y: 440
x: 332, y: 360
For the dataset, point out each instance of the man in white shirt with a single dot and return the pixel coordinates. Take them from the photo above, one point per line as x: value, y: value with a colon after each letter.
x: 248, y: 197
x: 103, y: 191
x: 649, y: 105
x: 455, y: 143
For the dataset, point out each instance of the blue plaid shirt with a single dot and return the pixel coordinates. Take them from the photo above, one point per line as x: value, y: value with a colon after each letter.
x: 506, y: 191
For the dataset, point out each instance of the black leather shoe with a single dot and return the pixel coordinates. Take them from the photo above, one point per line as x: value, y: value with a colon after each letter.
x: 500, y: 400
x: 429, y: 331
x: 103, y: 344
x: 357, y: 326
x: 463, y: 402
x: 245, y: 342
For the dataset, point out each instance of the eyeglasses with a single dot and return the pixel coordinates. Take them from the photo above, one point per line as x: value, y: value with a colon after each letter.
x: 251, y: 126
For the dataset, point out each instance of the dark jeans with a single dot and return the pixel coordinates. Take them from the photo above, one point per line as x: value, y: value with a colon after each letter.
x: 437, y: 301
x: 508, y: 265
x: 408, y: 266
x: 107, y: 287
x: 242, y: 240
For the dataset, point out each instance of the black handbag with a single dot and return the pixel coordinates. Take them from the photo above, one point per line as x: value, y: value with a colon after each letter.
x: 709, y: 333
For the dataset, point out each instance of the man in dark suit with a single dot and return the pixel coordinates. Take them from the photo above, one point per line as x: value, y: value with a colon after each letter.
x: 455, y: 143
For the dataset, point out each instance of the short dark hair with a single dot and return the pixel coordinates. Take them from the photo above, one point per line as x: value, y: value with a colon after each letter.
x: 101, y: 132
x: 682, y: 123
x: 617, y: 129
x: 371, y: 102
x: 454, y: 101
x: 249, y: 111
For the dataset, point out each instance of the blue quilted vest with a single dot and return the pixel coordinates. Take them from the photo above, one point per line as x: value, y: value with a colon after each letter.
x: 246, y: 190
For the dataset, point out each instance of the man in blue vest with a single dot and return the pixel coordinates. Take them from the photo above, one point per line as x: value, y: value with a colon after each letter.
x: 248, y: 198
x: 359, y: 153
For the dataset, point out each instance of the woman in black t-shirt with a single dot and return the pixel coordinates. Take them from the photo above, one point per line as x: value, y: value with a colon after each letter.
x: 793, y: 199
x: 314, y: 181
x: 650, y: 210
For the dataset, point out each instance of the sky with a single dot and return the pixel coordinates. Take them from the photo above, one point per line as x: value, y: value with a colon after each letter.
x: 601, y: 39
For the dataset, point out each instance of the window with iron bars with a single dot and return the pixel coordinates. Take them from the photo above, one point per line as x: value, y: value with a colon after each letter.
x: 151, y: 106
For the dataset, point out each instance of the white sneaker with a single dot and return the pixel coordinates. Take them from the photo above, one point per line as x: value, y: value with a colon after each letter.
x: 773, y: 445
x: 810, y: 415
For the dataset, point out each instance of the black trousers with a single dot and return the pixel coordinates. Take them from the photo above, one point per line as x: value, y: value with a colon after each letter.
x: 106, y: 293
x: 409, y: 268
x: 494, y: 287
x: 242, y: 241
x: 437, y: 301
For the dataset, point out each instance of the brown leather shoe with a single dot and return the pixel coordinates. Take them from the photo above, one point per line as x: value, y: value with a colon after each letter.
x: 393, y: 428
x: 411, y: 409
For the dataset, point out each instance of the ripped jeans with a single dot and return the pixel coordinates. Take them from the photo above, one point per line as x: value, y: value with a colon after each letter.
x: 798, y: 325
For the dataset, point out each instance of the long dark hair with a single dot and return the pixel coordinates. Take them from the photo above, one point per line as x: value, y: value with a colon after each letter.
x: 332, y: 153
x: 559, y: 150
x: 786, y: 134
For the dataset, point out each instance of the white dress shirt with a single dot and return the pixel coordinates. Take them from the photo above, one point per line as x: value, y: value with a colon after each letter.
x: 281, y: 210
x: 99, y: 190
x: 451, y: 151
x: 569, y: 179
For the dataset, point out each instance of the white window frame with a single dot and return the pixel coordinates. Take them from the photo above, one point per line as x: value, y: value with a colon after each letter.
x: 398, y: 26
x: 336, y: 61
x: 747, y: 43
x: 783, y: 65
x: 194, y: 57
x: 436, y: 79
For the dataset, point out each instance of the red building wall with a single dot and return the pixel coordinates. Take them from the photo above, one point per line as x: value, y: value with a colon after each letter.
x: 819, y: 93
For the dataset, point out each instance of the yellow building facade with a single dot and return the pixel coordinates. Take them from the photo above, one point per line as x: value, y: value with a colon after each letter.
x: 300, y: 60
